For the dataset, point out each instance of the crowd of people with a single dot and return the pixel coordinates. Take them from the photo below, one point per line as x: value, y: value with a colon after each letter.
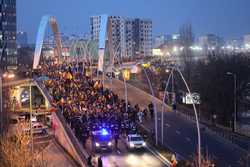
x: 87, y: 106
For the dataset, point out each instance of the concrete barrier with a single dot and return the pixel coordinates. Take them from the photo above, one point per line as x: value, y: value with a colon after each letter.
x: 63, y: 133
x: 66, y: 138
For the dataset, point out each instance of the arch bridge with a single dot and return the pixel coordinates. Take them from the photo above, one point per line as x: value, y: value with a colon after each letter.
x: 104, y: 43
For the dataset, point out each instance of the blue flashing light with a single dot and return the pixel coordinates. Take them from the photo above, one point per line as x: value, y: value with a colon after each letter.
x: 104, y: 132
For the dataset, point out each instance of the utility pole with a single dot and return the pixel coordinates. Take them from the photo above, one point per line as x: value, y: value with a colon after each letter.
x: 154, y: 105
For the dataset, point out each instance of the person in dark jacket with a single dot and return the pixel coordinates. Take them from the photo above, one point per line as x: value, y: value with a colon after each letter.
x: 100, y: 161
x: 151, y: 109
x: 89, y: 161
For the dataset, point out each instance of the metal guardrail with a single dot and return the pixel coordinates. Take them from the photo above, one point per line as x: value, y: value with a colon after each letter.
x: 17, y: 82
x: 243, y: 142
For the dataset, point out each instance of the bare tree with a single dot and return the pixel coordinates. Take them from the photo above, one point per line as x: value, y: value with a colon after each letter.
x: 205, y: 162
x: 15, y: 149
x: 186, y: 41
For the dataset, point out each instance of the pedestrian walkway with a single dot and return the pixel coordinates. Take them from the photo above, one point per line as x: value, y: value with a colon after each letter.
x: 55, y: 156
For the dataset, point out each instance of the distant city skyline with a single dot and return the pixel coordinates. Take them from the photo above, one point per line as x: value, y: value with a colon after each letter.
x: 226, y: 18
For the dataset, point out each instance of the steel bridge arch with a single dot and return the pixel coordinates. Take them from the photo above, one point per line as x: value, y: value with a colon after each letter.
x: 40, y: 38
x: 105, y: 42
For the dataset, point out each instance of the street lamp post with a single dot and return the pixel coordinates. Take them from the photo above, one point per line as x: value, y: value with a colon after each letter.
x: 154, y: 104
x: 173, y: 94
x: 195, y: 111
x: 126, y: 77
x: 235, y: 99
x: 196, y: 117
x: 162, y: 109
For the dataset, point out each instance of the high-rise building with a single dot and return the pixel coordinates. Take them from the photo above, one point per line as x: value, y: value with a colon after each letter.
x: 186, y: 36
x: 8, y: 50
x: 21, y: 39
x: 130, y: 37
x: 210, y: 42
x: 159, y: 40
x: 138, y: 35
x: 234, y: 44
x: 117, y: 24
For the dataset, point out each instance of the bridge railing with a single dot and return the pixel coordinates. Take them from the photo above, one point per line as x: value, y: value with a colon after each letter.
x: 65, y: 133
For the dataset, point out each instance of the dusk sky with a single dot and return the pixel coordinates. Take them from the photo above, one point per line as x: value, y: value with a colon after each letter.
x: 227, y: 18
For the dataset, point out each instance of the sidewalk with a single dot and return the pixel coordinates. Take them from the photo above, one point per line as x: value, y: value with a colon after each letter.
x: 55, y: 156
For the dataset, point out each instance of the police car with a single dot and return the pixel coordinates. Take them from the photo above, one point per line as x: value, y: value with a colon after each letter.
x: 135, y: 141
x: 102, y: 140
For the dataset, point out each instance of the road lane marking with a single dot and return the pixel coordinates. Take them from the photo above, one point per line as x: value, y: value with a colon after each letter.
x: 178, y: 132
x: 159, y: 156
x: 118, y: 151
x: 188, y: 139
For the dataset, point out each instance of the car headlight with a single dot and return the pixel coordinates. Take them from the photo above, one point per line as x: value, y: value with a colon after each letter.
x: 97, y: 144
x: 131, y: 144
x: 144, y: 144
x: 109, y: 144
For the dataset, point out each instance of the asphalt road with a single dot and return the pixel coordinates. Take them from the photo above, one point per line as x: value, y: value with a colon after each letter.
x: 182, y: 138
x: 138, y: 159
x: 122, y: 157
x: 180, y: 134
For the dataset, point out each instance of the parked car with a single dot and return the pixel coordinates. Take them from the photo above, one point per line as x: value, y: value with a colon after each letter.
x: 37, y: 128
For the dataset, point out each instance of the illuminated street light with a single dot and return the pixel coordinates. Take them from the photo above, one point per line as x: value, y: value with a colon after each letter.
x: 11, y: 76
x: 8, y: 75
x: 126, y: 74
x: 167, y: 70
x: 196, y: 48
x: 175, y: 49
x: 229, y: 47
x: 5, y: 75
x: 146, y: 65
x: 247, y: 46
